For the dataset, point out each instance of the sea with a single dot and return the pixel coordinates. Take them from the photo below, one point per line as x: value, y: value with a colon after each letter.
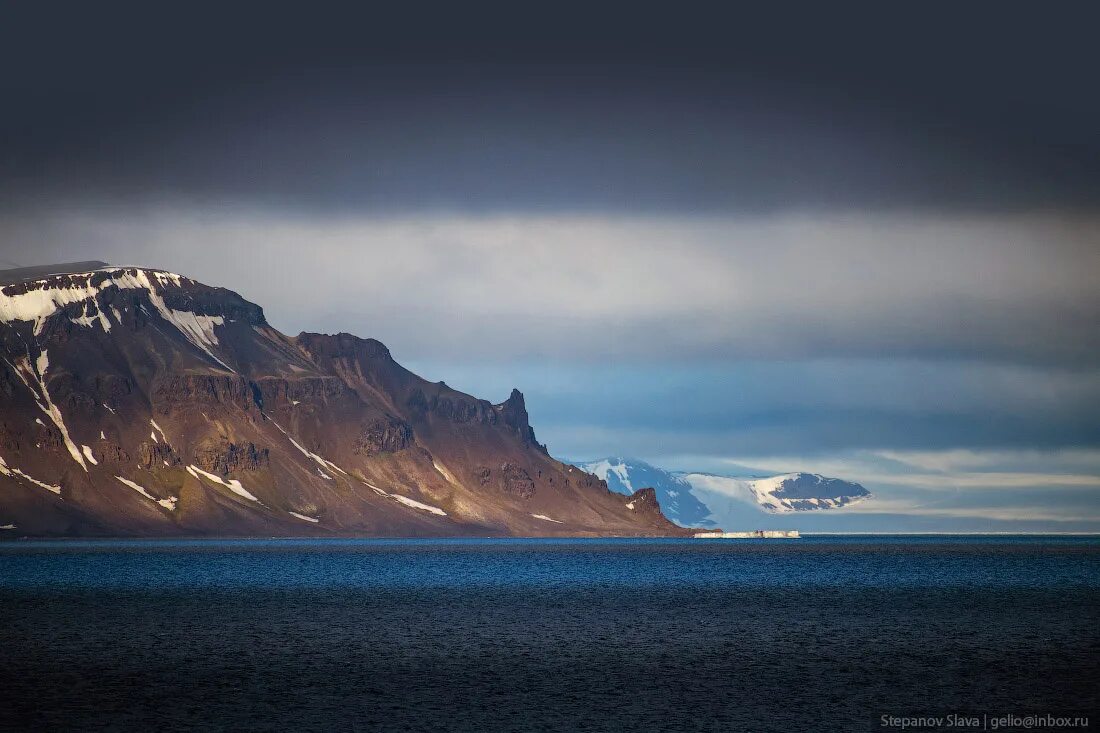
x: 823, y: 633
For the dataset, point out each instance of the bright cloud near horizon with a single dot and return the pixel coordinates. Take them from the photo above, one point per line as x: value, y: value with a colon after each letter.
x: 681, y: 249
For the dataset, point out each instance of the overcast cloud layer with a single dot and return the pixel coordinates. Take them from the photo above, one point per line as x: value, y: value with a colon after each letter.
x: 1008, y: 288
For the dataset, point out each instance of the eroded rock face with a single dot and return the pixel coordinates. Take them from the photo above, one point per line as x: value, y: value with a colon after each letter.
x: 456, y: 410
x: 277, y: 392
x: 517, y: 481
x: 203, y: 389
x: 383, y: 436
x: 223, y: 457
x: 109, y: 453
x: 151, y: 455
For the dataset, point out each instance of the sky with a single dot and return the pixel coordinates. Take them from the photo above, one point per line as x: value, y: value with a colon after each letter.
x: 857, y: 240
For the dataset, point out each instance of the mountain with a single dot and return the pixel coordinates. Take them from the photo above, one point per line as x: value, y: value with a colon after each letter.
x: 704, y: 499
x: 788, y: 492
x: 135, y: 401
x: 674, y: 492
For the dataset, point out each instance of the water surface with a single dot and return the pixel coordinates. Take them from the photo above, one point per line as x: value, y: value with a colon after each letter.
x: 824, y: 633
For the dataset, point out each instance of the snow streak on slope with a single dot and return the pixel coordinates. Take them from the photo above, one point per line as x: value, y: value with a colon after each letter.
x: 6, y: 470
x: 407, y: 501
x: 418, y: 505
x: 169, y: 503
x: 311, y: 455
x: 232, y: 484
x: 444, y: 472
x: 199, y: 330
x: 42, y: 396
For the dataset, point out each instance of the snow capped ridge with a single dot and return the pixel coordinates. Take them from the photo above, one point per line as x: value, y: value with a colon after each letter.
x: 37, y: 300
x: 90, y: 301
x: 784, y: 493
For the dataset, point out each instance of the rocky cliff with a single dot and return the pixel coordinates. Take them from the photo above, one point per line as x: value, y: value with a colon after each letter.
x: 139, y: 402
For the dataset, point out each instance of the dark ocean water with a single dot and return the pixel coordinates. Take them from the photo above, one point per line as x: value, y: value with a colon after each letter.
x: 816, y: 634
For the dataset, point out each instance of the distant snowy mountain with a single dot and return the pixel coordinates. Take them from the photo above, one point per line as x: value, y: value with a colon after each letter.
x: 703, y: 499
x: 674, y: 493
x: 788, y: 492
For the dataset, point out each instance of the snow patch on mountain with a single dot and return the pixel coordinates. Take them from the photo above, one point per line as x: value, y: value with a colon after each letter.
x: 443, y: 471
x: 407, y: 501
x: 88, y: 319
x: 418, y: 505
x: 169, y: 503
x: 232, y: 484
x: 615, y: 466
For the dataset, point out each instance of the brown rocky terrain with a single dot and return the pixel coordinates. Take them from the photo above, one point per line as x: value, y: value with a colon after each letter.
x: 138, y: 402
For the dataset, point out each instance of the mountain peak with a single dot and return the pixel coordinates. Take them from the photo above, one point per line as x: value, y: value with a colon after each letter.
x: 514, y: 412
x: 515, y: 405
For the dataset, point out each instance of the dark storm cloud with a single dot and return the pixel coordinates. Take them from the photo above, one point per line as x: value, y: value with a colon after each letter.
x: 605, y: 109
